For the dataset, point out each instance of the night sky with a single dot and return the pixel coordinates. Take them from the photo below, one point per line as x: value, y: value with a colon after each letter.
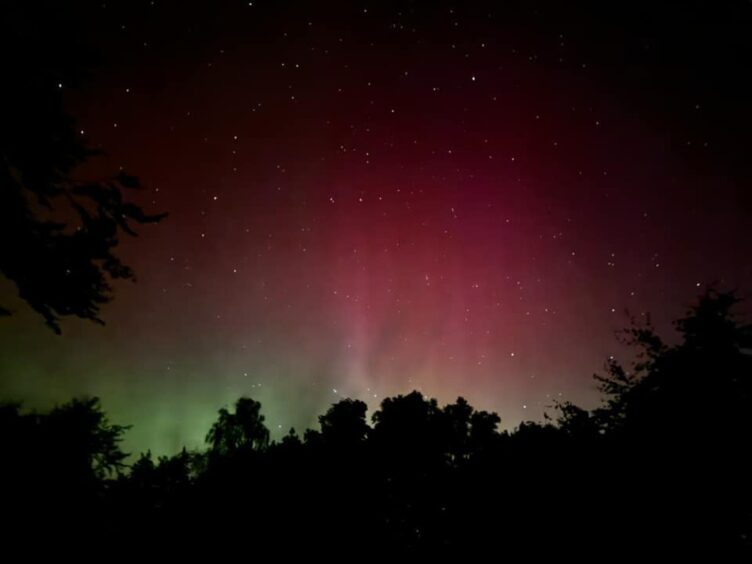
x: 366, y: 198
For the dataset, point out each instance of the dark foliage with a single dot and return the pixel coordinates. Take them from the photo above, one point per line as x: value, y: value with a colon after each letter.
x: 660, y: 469
x: 57, y: 234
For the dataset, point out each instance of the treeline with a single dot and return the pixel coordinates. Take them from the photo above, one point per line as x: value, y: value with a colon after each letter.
x: 662, y: 468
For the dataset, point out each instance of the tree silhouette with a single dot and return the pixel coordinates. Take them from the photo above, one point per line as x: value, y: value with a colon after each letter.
x: 242, y: 430
x: 56, y: 472
x: 708, y: 372
x: 661, y: 467
x: 408, y: 429
x: 57, y: 234
x: 344, y: 424
x: 674, y: 429
x: 457, y: 421
x: 80, y: 433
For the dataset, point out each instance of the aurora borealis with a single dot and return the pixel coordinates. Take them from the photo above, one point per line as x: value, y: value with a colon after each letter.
x: 367, y: 198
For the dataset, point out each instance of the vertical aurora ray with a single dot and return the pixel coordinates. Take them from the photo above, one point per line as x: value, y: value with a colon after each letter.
x: 360, y: 207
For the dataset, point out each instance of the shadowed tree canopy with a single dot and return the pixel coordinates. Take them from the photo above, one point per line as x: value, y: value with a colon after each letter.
x: 57, y: 234
x: 661, y: 467
x: 699, y: 387
x: 74, y: 444
x: 344, y: 424
x: 242, y: 430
